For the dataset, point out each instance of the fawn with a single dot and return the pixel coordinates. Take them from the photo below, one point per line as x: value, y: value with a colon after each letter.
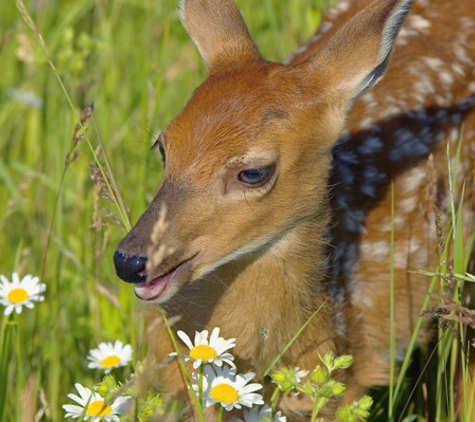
x: 278, y: 180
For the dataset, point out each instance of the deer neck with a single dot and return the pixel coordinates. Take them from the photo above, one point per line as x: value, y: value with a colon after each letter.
x: 264, y: 299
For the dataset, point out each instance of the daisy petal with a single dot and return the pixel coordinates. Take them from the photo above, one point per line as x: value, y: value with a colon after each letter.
x: 229, y: 389
x: 92, y: 406
x: 19, y: 293
x: 204, y: 351
x: 108, y: 356
x: 185, y: 339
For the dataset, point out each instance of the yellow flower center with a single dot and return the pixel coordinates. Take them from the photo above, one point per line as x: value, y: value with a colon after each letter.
x: 110, y: 361
x: 17, y: 295
x: 97, y: 408
x: 224, y: 393
x: 203, y: 352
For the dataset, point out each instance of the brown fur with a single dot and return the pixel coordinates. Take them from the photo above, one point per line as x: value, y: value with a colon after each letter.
x: 250, y: 113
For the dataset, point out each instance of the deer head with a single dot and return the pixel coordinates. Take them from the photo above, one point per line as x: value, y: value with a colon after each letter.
x: 248, y: 159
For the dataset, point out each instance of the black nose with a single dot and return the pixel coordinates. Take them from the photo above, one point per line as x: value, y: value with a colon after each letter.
x: 130, y: 268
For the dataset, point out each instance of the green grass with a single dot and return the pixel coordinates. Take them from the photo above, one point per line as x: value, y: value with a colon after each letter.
x: 133, y: 59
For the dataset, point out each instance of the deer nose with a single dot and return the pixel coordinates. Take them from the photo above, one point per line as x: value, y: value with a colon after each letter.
x: 130, y: 268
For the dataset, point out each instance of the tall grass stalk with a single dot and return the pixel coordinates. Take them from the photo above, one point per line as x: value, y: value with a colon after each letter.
x: 392, y: 330
x: 196, y: 402
x: 107, y: 173
x: 7, y: 335
x: 274, y: 362
x: 451, y: 350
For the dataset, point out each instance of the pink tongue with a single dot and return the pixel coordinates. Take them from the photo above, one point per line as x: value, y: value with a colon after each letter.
x: 149, y: 290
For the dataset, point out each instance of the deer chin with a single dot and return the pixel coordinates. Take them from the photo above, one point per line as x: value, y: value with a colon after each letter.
x: 162, y: 287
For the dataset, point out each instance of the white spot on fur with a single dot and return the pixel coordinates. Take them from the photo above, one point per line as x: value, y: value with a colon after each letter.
x: 424, y: 86
x: 369, y: 100
x: 374, y: 251
x: 401, y: 40
x: 458, y: 69
x: 441, y: 101
x: 391, y: 110
x: 413, y: 180
x: 418, y: 22
x: 343, y: 6
x: 340, y: 7
x: 461, y: 53
x: 359, y: 296
x: 366, y: 122
x: 408, y: 204
x: 453, y: 135
x: 434, y: 63
x: 407, y: 32
x: 400, y: 258
x: 446, y: 78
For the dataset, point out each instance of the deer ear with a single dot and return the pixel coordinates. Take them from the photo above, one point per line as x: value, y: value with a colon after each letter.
x: 219, y: 32
x: 357, y: 55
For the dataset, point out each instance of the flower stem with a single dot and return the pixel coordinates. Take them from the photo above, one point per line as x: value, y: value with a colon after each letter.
x: 220, y: 413
x: 19, y: 374
x: 273, y: 399
x: 200, y: 384
x: 6, y: 351
x: 314, y: 410
x: 198, y: 404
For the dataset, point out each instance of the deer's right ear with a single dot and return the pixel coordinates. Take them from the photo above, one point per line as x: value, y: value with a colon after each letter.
x: 357, y: 55
x: 219, y: 32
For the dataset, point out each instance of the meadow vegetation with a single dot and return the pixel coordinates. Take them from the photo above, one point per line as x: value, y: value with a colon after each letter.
x: 85, y: 87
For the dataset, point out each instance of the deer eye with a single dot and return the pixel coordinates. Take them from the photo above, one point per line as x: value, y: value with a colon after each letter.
x: 255, y: 177
x: 162, y: 152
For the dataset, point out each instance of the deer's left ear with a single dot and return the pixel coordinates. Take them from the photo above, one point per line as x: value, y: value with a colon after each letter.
x: 357, y: 56
x: 219, y: 32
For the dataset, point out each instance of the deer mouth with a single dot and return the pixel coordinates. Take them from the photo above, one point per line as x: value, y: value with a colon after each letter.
x: 165, y: 285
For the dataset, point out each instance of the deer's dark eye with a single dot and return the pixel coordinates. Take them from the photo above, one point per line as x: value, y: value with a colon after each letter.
x: 159, y: 144
x: 162, y: 152
x: 255, y: 177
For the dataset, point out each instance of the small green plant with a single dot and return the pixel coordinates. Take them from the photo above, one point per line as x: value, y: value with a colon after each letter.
x: 321, y: 387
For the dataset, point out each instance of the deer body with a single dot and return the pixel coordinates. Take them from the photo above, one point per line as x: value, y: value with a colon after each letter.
x: 425, y: 100
x: 269, y: 163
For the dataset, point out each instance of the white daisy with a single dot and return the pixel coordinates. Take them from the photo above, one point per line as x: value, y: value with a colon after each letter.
x: 260, y: 414
x: 108, y: 356
x: 18, y: 293
x: 228, y: 389
x: 204, y: 351
x: 93, y: 406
